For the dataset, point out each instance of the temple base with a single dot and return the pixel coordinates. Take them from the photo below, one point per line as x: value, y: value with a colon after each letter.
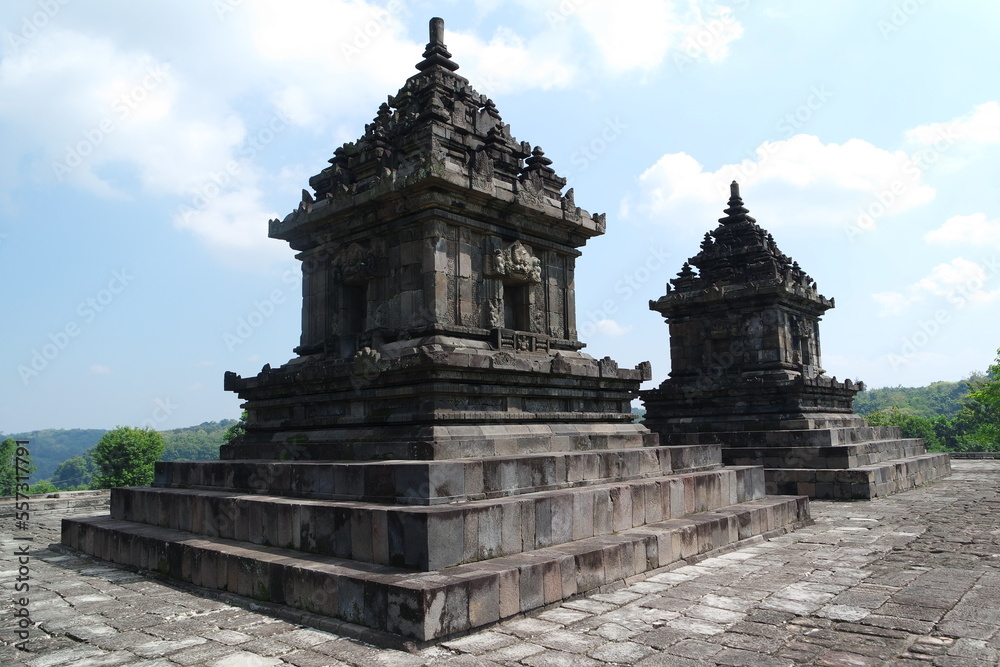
x: 426, y: 550
x: 846, y: 463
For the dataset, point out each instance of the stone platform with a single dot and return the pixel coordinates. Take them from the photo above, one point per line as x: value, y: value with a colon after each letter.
x: 848, y: 463
x: 908, y: 579
x: 428, y: 549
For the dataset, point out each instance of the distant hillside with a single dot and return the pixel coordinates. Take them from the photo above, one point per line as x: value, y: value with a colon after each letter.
x: 61, y: 454
x: 51, y: 447
x: 937, y: 399
x: 195, y: 442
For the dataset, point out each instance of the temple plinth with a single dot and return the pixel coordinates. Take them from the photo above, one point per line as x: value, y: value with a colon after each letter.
x: 746, y: 373
x: 440, y: 453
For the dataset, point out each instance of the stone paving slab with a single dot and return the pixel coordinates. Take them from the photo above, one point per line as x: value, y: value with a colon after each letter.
x: 911, y: 579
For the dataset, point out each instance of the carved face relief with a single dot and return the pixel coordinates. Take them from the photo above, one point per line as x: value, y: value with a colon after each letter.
x: 516, y: 263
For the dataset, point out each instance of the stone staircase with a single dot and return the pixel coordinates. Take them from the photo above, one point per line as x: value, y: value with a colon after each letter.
x: 428, y: 549
x: 854, y: 462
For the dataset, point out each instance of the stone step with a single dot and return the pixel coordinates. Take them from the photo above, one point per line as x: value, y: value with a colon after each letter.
x: 515, y: 434
x: 863, y: 482
x: 826, y: 457
x: 431, y: 605
x: 436, y: 482
x: 822, y: 437
x: 61, y: 500
x: 432, y: 537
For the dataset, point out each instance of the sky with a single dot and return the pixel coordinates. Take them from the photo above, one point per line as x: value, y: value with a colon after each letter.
x: 145, y: 146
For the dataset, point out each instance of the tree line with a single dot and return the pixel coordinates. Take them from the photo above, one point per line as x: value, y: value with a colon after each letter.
x: 125, y: 456
x: 950, y: 416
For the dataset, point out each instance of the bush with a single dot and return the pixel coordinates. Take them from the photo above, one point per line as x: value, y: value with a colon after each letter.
x: 125, y: 456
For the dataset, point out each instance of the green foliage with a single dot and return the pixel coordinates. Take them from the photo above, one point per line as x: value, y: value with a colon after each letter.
x: 76, y: 471
x: 981, y: 413
x: 196, y: 442
x: 910, y: 425
x: 44, y: 486
x: 938, y: 398
x: 125, y: 456
x: 949, y: 416
x: 50, y: 447
x: 8, y: 469
x: 234, y: 434
x: 638, y: 415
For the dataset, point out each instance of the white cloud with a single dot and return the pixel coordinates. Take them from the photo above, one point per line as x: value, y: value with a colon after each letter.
x: 98, y: 369
x: 828, y: 181
x: 507, y: 63
x: 611, y: 328
x: 974, y: 229
x: 709, y: 35
x: 958, y: 282
x: 93, y: 106
x: 894, y: 303
x: 981, y: 125
x: 641, y: 36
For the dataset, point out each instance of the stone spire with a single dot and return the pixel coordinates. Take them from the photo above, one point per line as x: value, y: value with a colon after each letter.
x: 745, y: 295
x: 736, y: 212
x: 436, y: 53
x: 437, y: 126
x: 740, y: 253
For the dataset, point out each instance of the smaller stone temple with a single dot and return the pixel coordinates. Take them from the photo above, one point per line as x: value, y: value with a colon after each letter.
x: 440, y: 453
x: 746, y: 374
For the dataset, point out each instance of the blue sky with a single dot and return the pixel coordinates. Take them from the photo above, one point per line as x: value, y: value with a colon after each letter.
x: 145, y: 146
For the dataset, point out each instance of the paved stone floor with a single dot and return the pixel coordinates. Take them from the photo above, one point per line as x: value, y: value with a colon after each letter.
x: 909, y: 580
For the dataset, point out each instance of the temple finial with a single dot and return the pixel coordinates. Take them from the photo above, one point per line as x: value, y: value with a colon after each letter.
x: 736, y: 211
x: 436, y: 54
x: 436, y: 30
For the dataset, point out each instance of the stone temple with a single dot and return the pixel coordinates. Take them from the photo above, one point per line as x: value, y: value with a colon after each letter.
x: 746, y: 374
x: 440, y: 454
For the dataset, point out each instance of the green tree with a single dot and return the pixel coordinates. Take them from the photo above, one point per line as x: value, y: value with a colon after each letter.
x: 234, y: 434
x: 982, y: 412
x: 43, y: 486
x: 75, y: 472
x: 8, y: 470
x: 910, y: 425
x: 125, y: 457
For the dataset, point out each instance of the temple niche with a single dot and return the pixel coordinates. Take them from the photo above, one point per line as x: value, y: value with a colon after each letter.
x: 746, y: 373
